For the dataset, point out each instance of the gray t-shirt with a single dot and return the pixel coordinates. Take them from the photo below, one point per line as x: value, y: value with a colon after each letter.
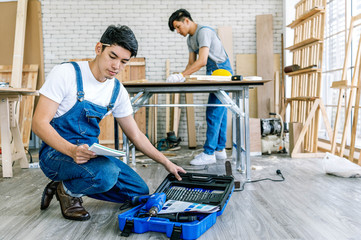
x: 207, y: 37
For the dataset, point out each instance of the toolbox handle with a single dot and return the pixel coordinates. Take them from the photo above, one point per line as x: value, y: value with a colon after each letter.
x: 200, y: 178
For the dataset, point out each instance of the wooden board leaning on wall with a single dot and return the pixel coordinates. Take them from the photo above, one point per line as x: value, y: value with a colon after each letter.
x: 246, y: 65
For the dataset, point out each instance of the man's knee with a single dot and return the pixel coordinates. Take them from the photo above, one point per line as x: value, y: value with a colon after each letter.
x: 106, y: 178
x: 143, y: 189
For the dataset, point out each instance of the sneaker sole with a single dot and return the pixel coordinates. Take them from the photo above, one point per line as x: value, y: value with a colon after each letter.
x: 203, y: 163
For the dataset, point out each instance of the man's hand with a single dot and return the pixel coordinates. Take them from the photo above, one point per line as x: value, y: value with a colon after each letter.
x: 174, y: 169
x: 81, y: 154
x: 176, y: 78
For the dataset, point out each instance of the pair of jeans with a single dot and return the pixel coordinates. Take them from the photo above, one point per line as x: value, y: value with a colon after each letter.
x: 105, y: 178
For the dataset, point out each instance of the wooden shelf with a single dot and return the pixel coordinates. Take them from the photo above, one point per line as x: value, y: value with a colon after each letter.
x: 341, y: 84
x: 304, y: 43
x: 303, y: 71
x: 305, y: 16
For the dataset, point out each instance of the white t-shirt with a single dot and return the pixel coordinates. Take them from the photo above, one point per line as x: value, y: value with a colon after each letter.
x: 60, y: 86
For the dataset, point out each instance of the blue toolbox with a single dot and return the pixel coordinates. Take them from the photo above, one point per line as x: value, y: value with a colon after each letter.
x: 196, y: 188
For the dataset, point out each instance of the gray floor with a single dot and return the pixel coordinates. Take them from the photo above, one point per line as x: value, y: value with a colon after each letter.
x: 308, y: 205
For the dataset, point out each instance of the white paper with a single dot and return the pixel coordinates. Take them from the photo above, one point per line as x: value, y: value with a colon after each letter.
x: 173, y: 206
x: 105, y: 151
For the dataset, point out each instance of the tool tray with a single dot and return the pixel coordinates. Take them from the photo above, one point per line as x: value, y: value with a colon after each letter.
x: 195, y: 187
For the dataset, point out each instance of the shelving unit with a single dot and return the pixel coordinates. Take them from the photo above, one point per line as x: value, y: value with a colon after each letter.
x: 305, y: 101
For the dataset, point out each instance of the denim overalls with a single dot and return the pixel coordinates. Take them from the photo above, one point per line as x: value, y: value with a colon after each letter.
x: 216, y: 116
x: 103, y: 177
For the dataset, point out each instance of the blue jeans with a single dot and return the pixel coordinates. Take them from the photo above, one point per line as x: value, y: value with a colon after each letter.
x: 104, y: 178
x: 216, y: 126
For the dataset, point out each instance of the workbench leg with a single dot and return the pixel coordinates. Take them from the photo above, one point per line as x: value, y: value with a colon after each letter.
x: 247, y: 134
x: 242, y: 132
x: 19, y: 146
x: 238, y: 133
x: 234, y: 137
x: 5, y: 138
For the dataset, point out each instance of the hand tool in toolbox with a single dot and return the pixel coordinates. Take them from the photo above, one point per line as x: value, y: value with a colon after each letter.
x: 195, y: 188
x: 152, y: 203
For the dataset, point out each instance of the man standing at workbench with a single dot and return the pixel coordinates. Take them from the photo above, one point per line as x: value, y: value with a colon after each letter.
x: 204, y: 42
x: 74, y: 99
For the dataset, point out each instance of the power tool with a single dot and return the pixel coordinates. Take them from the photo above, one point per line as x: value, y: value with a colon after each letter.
x: 153, y: 203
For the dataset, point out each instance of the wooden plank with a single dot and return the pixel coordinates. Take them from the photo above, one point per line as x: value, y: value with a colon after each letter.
x: 207, y: 78
x: 295, y: 130
x: 29, y: 81
x: 305, y: 16
x: 191, y: 126
x: 341, y: 91
x: 265, y: 63
x: 351, y: 99
x: 355, y: 117
x: 176, y: 114
x: 226, y: 37
x: 303, y: 43
x: 167, y: 99
x: 155, y: 119
x: 340, y: 84
x: 33, y: 49
x: 18, y: 56
x: 297, y: 145
x: 255, y: 136
x: 246, y: 65
x: 150, y: 130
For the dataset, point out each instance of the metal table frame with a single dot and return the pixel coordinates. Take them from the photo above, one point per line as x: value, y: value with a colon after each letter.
x: 238, y: 104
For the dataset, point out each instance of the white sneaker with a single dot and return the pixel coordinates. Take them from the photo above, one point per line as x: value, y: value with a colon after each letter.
x: 203, y: 159
x: 221, y: 155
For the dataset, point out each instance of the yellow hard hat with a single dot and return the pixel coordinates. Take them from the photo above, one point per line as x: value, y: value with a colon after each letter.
x: 221, y: 72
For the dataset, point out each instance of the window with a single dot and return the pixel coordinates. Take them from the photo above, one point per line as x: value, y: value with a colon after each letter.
x: 338, y: 15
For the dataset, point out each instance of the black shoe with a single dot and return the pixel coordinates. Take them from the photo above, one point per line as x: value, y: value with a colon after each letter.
x: 48, y: 194
x: 71, y: 207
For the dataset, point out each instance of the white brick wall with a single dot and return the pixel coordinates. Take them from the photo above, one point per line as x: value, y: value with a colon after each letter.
x: 72, y: 28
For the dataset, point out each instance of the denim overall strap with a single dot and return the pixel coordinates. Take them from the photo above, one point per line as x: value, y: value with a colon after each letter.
x: 212, y: 65
x: 114, y: 95
x: 79, y: 82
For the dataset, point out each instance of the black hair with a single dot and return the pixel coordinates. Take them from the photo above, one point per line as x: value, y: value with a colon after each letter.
x: 178, y: 15
x: 122, y: 36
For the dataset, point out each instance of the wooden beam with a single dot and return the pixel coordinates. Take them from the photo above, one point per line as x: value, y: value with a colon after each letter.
x: 176, y: 114
x: 341, y: 91
x: 305, y: 127
x: 265, y: 63
x: 18, y: 56
x: 191, y: 127
x: 355, y: 117
x: 167, y: 100
x: 351, y: 100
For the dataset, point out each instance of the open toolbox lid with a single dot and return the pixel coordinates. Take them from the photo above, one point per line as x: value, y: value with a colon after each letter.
x: 198, y: 188
x: 220, y: 185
